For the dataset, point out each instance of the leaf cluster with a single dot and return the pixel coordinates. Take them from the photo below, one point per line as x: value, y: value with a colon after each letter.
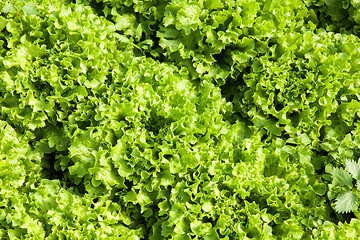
x: 124, y: 119
x: 342, y: 189
x: 20, y: 6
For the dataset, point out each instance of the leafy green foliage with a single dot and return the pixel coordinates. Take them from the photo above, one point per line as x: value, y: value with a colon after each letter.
x: 341, y: 177
x: 179, y: 119
x: 28, y: 8
x: 342, y: 187
x: 346, y: 202
x: 353, y: 168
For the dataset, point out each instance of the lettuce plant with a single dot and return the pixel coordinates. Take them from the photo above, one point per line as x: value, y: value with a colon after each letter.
x: 179, y: 119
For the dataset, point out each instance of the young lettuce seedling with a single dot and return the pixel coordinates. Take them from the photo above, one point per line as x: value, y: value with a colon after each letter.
x: 342, y: 189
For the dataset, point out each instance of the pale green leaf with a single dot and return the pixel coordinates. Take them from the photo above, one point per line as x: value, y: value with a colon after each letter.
x: 8, y: 8
x: 342, y: 176
x: 30, y: 8
x: 346, y: 202
x: 353, y: 168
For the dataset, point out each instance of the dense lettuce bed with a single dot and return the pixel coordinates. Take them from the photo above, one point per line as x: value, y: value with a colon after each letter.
x: 211, y: 119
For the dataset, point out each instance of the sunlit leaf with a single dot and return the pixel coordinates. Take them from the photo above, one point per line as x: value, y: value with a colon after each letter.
x: 346, y: 202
